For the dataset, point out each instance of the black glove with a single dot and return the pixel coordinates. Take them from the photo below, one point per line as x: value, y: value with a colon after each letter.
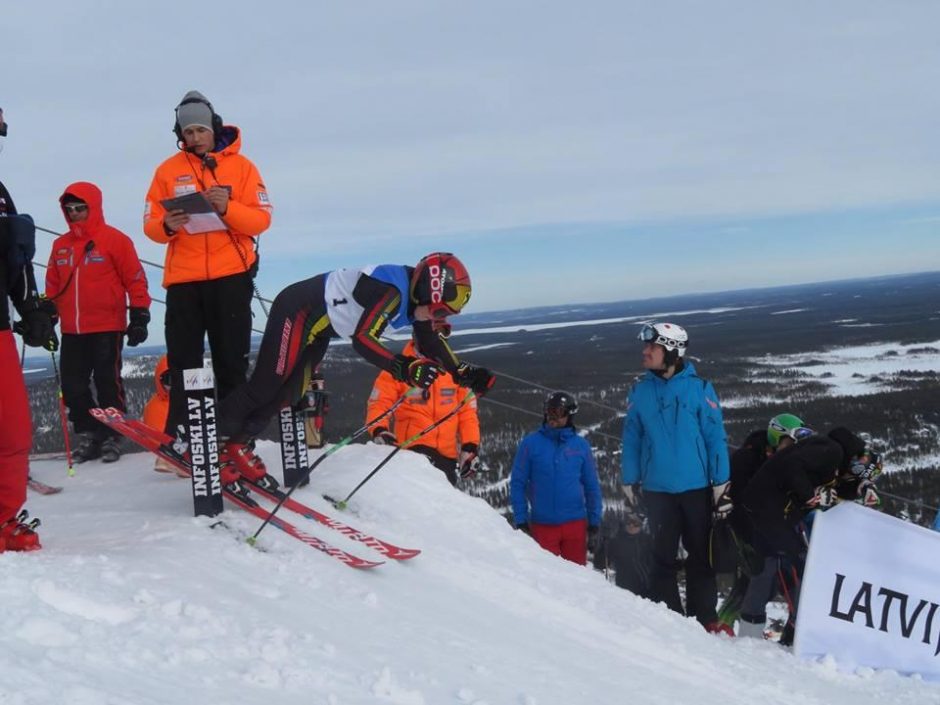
x: 37, y: 325
x: 824, y: 497
x: 469, y: 462
x: 479, y: 379
x: 593, y: 538
x: 137, y: 330
x: 384, y: 437
x: 416, y: 371
x: 524, y: 528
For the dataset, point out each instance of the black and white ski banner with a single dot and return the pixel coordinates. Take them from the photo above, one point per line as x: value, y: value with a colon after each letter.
x: 293, y: 445
x: 203, y: 440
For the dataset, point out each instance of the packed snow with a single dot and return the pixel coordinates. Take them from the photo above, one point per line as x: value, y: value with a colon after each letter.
x: 133, y: 601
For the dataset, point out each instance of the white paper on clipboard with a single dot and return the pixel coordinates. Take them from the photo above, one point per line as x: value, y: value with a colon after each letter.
x: 202, y: 216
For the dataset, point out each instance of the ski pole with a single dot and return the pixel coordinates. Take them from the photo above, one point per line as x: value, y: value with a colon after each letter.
x: 64, y: 417
x: 905, y: 499
x: 341, y: 504
x: 346, y: 441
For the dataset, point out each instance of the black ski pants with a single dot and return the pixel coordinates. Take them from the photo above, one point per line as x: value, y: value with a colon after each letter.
x: 86, y: 357
x: 685, y: 515
x: 446, y: 465
x: 221, y: 309
x: 295, y: 340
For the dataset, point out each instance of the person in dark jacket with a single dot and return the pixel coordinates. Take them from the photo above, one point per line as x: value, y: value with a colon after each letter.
x: 629, y: 552
x: 793, y: 482
x: 755, y: 584
x: 675, y: 451
x: 95, y: 278
x: 37, y: 326
x: 553, y: 487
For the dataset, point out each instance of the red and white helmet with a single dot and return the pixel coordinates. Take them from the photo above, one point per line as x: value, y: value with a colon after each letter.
x: 442, y: 283
x: 669, y: 335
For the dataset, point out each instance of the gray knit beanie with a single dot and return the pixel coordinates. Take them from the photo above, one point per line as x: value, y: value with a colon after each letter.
x: 194, y: 110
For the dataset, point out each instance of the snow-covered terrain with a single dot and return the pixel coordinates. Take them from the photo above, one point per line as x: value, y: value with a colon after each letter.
x: 861, y: 369
x: 135, y: 602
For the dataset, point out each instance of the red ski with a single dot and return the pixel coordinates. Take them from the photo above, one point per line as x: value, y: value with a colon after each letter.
x: 160, y: 444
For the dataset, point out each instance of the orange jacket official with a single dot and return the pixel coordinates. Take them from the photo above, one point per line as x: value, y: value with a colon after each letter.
x: 94, y: 273
x: 420, y: 411
x: 219, y: 253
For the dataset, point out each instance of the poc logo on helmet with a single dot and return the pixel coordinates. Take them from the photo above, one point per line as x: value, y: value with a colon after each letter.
x: 437, y: 276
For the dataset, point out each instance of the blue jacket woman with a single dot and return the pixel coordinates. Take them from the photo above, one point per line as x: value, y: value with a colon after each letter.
x: 673, y: 437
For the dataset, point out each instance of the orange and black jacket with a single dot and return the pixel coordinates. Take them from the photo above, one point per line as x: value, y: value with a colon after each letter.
x: 94, y: 273
x: 158, y: 406
x: 421, y: 410
x: 220, y: 253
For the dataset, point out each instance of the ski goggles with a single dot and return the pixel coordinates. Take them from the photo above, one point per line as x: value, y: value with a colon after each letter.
x: 797, y: 434
x: 75, y: 207
x: 451, y: 300
x: 649, y: 334
x: 866, y: 466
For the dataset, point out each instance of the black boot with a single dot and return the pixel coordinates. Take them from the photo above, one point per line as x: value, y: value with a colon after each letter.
x: 110, y: 450
x: 88, y: 448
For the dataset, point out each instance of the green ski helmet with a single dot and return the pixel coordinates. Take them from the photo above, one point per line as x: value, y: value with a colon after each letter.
x: 786, y: 425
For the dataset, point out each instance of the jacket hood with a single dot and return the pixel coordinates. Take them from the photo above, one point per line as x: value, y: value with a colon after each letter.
x: 229, y: 141
x: 90, y: 194
x: 687, y: 370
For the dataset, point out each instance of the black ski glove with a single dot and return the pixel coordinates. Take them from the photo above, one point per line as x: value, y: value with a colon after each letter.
x: 593, y: 538
x: 524, y: 528
x: 384, y: 437
x: 37, y: 325
x: 415, y: 371
x: 479, y: 379
x: 469, y: 462
x: 137, y: 330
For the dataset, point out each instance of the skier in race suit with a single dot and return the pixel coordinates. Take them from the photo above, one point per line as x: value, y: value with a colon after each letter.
x: 358, y: 304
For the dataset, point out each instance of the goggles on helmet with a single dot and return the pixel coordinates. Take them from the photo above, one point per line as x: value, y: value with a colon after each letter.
x: 452, y: 300
x: 866, y: 466
x: 797, y: 434
x: 649, y: 334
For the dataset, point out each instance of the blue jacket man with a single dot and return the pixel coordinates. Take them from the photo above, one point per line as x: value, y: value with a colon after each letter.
x: 554, y: 489
x: 674, y: 437
x: 675, y: 451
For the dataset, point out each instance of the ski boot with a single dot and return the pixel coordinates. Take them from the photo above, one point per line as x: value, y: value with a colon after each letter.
x: 240, y: 459
x: 717, y: 627
x: 110, y: 450
x: 19, y: 534
x: 88, y: 448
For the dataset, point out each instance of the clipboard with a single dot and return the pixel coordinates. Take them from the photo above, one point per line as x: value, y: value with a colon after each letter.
x: 202, y: 216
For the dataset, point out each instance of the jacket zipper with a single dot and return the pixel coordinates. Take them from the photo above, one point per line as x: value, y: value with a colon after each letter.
x: 78, y: 326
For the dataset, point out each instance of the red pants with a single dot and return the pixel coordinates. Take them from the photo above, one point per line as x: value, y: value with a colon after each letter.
x: 16, y: 434
x: 568, y: 540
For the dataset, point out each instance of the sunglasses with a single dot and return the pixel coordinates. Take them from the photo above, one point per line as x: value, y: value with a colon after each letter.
x: 76, y: 207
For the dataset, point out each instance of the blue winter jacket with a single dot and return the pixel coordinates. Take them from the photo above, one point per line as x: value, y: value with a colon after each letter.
x: 936, y: 522
x: 554, y: 479
x: 673, y: 435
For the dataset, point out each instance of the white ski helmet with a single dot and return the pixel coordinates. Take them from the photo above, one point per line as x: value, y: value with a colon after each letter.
x: 669, y: 335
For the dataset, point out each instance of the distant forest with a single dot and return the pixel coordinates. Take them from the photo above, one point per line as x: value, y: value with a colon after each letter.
x: 734, y: 348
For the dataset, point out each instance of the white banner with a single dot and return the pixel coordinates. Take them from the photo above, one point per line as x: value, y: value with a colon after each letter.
x: 871, y: 593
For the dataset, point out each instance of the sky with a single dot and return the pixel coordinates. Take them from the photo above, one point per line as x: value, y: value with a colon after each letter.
x: 567, y: 152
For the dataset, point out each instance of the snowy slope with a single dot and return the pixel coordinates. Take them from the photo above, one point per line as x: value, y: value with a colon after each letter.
x: 134, y: 602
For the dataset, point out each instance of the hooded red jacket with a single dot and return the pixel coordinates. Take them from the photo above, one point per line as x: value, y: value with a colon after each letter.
x: 94, y: 273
